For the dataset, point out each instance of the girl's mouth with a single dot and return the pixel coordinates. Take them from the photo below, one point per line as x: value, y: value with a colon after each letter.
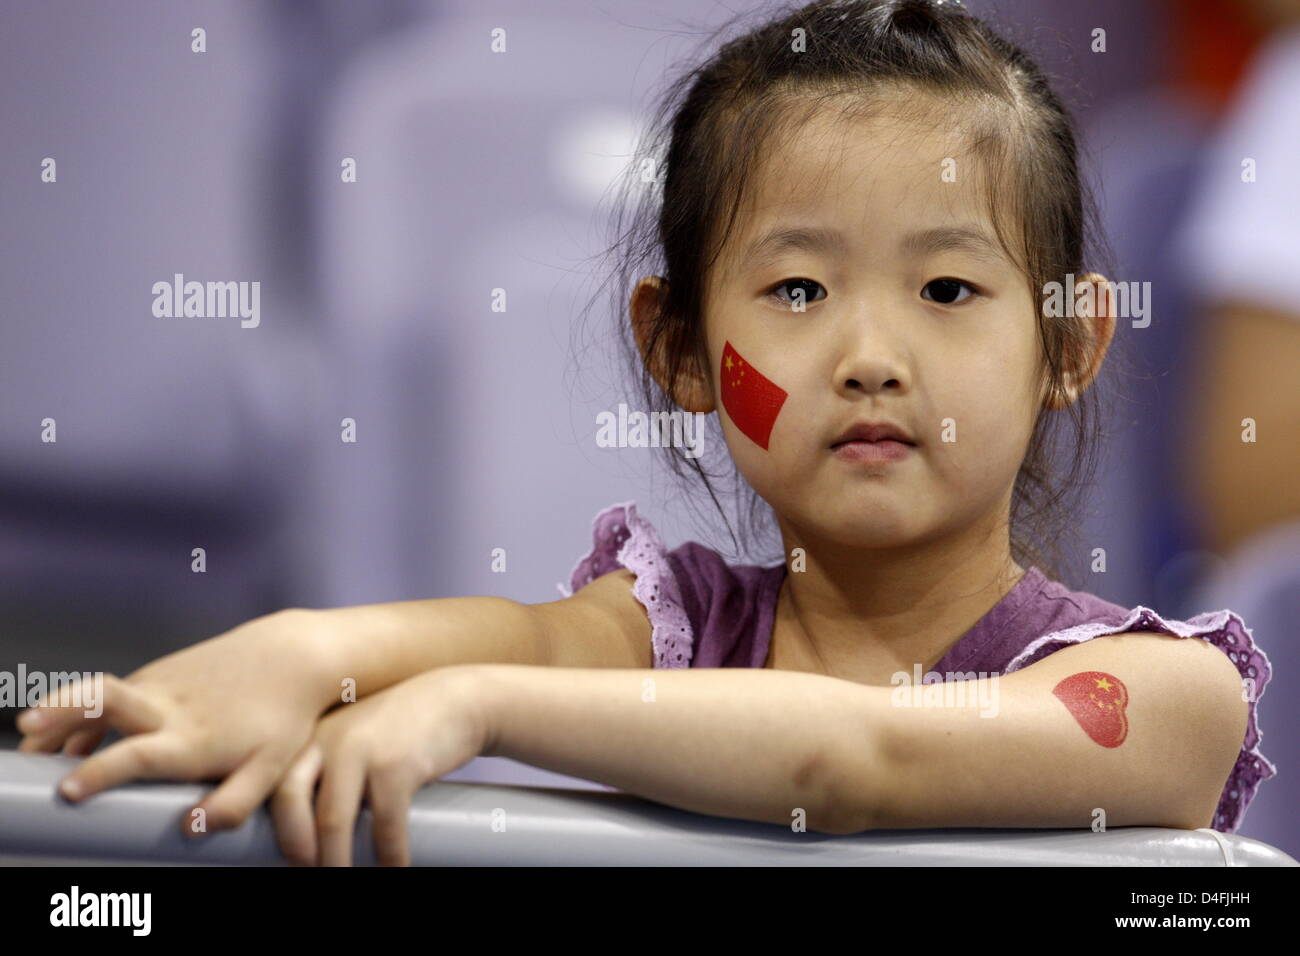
x: 872, y: 452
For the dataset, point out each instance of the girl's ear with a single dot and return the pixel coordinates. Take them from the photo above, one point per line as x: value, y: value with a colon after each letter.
x: 1095, y: 310
x: 693, y: 392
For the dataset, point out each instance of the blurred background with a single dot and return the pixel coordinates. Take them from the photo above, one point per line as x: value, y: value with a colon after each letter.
x: 478, y: 171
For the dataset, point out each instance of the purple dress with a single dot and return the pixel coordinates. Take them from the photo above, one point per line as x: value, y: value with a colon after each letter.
x: 706, y: 613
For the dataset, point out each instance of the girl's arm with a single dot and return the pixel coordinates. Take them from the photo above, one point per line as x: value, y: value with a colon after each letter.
x: 1159, y: 723
x: 379, y: 645
x: 239, y: 706
x: 1137, y: 729
x: 755, y: 744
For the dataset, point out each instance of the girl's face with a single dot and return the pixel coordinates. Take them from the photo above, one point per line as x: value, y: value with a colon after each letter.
x: 910, y: 319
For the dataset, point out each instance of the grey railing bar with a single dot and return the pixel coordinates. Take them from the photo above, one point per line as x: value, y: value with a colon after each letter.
x: 479, y: 824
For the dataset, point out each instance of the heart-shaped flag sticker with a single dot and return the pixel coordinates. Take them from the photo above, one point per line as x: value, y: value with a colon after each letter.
x: 1097, y: 701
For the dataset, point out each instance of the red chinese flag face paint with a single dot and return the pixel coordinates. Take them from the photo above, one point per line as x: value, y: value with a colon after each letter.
x: 1097, y: 702
x: 750, y: 398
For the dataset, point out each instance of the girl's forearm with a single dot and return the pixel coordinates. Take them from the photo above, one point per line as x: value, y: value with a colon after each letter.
x: 752, y: 744
x: 378, y: 645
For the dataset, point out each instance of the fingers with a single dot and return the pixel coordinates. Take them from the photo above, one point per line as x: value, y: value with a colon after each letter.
x: 246, y: 789
x: 121, y: 705
x: 83, y: 742
x: 389, y: 796
x: 46, y: 726
x: 146, y: 757
x: 33, y: 744
x: 291, y: 808
x: 337, y: 805
x: 302, y: 832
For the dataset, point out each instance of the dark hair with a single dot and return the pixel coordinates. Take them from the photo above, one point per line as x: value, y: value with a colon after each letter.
x: 708, y: 135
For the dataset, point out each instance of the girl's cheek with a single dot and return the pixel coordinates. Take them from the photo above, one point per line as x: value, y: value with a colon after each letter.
x: 751, y: 399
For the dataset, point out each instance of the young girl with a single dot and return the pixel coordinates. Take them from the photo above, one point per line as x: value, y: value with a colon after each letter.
x: 861, y: 210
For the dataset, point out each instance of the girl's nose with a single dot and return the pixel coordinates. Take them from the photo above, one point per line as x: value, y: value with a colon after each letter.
x: 854, y: 385
x: 869, y: 358
x: 870, y: 371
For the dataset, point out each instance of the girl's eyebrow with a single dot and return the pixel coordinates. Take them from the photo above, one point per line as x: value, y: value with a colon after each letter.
x: 969, y: 239
x: 781, y: 239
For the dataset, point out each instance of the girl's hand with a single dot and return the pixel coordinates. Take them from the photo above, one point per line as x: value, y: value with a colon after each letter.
x: 385, y: 746
x: 238, y: 706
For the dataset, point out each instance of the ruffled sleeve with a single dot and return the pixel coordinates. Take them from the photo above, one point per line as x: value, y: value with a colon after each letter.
x: 1226, y: 631
x: 623, y: 539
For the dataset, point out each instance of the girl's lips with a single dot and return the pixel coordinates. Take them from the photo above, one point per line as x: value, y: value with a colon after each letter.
x: 872, y: 452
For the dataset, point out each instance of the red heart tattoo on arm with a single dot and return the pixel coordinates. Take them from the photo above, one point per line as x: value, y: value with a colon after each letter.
x: 1097, y: 701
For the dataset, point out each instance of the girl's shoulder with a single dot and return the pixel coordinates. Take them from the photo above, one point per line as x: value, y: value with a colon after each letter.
x: 703, y: 611
x: 1061, y: 617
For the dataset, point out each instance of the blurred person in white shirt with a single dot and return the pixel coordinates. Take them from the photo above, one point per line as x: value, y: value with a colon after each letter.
x: 1241, y: 247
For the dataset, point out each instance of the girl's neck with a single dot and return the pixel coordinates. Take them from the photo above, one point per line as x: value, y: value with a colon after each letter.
x: 905, y: 607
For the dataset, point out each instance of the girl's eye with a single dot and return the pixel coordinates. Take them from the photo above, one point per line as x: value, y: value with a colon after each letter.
x: 802, y: 291
x: 948, y: 289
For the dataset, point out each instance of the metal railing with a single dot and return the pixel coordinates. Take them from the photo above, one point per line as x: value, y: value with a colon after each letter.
x: 482, y: 824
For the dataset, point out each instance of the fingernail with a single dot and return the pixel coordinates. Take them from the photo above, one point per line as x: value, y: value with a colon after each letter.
x: 29, y: 721
x: 71, y: 789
